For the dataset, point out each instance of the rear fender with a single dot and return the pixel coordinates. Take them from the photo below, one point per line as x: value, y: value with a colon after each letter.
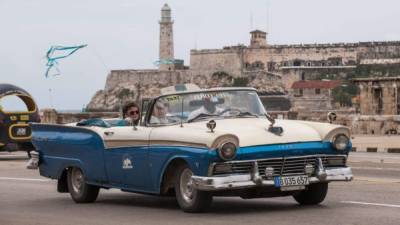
x: 61, y: 147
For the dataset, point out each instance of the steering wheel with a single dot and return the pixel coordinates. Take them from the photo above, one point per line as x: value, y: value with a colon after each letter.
x: 238, y: 111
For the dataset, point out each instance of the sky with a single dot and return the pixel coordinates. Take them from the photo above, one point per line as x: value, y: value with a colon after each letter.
x: 123, y: 34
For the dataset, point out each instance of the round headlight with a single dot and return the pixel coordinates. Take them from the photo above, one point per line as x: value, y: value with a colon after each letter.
x: 227, y: 151
x: 341, y: 142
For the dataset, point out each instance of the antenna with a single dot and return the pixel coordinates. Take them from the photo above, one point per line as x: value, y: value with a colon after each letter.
x: 50, y: 98
x: 182, y: 113
x: 267, y: 16
x: 251, y: 20
x: 195, y: 41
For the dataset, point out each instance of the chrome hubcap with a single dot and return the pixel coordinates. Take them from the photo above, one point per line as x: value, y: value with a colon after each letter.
x: 77, y: 180
x: 186, y: 185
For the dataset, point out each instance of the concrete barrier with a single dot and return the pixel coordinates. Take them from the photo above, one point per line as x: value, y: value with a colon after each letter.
x: 369, y: 143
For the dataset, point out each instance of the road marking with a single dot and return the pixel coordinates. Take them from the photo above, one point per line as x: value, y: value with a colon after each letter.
x: 13, y: 156
x: 374, y: 204
x: 24, y: 179
x: 352, y: 156
x: 377, y: 180
x: 374, y: 168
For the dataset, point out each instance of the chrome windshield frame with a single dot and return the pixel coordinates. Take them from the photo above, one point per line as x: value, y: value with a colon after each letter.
x: 183, y: 93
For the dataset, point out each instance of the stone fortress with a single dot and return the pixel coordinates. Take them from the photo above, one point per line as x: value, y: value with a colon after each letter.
x: 272, y: 69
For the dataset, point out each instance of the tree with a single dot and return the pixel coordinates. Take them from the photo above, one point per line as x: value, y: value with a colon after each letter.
x: 240, y: 82
x: 125, y: 94
x: 344, y: 93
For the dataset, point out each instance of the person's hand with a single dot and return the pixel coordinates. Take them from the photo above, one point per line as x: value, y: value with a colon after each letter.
x: 129, y: 121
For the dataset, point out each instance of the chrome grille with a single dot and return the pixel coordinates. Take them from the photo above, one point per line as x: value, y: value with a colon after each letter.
x: 282, y: 166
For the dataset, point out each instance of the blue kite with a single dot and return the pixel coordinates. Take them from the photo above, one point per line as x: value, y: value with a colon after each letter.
x: 165, y: 62
x: 58, y: 52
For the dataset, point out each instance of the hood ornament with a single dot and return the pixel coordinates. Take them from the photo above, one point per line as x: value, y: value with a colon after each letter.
x: 331, y: 117
x: 275, y: 130
x: 211, y: 125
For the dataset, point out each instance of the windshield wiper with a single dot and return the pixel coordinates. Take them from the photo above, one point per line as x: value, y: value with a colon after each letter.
x: 242, y: 114
x: 201, y: 116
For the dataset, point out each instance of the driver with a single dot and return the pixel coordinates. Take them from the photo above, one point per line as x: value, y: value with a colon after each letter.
x: 159, y: 115
x: 209, y: 108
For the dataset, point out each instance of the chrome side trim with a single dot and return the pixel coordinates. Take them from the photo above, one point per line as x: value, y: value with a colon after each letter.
x: 119, y: 143
x: 125, y: 143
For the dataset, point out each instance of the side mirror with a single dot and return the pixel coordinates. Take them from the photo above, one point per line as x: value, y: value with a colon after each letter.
x: 275, y: 130
x: 270, y: 119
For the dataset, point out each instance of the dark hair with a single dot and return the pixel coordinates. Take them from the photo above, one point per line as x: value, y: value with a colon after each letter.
x: 127, y: 106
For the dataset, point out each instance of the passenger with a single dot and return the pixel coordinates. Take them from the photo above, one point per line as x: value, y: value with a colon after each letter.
x: 159, y: 115
x: 209, y: 108
x: 131, y: 114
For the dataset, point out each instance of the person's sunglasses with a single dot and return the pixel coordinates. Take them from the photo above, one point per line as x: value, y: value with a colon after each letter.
x: 131, y: 113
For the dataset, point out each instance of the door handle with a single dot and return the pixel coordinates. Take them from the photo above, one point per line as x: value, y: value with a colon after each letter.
x: 108, y: 133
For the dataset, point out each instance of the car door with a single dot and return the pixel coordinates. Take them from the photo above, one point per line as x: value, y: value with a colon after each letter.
x: 126, y: 156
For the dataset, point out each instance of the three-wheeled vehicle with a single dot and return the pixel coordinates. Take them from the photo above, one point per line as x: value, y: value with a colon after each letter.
x: 15, y: 132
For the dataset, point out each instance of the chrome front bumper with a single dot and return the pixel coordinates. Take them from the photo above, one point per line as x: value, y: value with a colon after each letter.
x: 215, y: 183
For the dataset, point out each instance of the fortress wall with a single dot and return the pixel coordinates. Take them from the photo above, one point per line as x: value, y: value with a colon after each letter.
x: 206, y: 62
x: 280, y: 55
x: 388, y: 51
x: 349, y: 52
x: 116, y: 77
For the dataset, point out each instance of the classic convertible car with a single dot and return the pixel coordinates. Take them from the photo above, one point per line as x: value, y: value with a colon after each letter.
x: 196, y: 145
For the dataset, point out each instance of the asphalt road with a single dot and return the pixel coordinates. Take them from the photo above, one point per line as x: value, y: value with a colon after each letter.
x: 372, y: 198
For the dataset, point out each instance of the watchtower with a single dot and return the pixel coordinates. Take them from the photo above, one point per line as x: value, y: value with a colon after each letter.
x: 166, y: 54
x: 258, y: 38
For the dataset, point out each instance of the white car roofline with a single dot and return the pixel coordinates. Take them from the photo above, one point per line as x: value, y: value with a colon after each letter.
x: 208, y: 90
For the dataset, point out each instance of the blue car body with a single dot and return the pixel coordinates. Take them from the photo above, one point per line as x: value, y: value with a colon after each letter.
x: 233, y: 154
x: 80, y: 147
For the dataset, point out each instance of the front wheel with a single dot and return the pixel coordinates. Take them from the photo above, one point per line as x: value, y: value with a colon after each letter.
x: 80, y: 191
x: 189, y: 198
x: 314, y: 194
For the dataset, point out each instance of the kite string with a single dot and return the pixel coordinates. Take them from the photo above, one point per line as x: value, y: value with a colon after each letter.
x: 99, y: 58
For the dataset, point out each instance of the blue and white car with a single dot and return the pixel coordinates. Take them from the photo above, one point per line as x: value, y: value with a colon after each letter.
x: 214, y: 142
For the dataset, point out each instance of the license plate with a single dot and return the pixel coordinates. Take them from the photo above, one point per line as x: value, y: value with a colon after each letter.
x: 291, y: 181
x: 21, y: 132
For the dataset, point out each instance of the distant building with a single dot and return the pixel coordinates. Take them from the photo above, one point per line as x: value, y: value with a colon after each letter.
x: 379, y: 95
x: 313, y: 94
x: 271, y: 69
x: 258, y: 39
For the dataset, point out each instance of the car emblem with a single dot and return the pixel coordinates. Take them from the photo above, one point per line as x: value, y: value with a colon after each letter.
x: 127, y: 164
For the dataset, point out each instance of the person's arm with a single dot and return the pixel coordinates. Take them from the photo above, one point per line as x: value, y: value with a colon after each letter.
x: 154, y: 120
x: 195, y: 113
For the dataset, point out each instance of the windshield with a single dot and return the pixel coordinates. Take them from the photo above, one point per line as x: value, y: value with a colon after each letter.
x: 199, y: 106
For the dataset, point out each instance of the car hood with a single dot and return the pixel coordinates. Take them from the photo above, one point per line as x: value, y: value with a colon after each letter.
x: 248, y: 131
